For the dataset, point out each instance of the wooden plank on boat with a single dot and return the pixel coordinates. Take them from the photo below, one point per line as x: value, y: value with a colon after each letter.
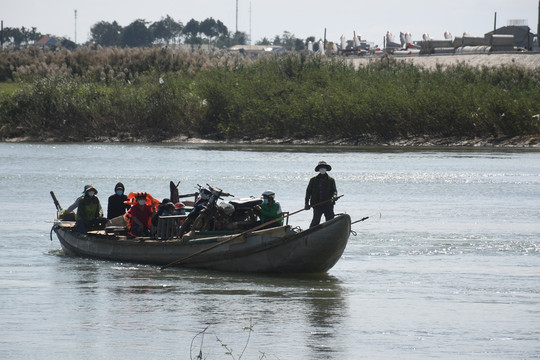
x: 66, y: 224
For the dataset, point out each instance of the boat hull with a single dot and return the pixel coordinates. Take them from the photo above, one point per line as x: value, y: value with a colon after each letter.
x: 280, y: 250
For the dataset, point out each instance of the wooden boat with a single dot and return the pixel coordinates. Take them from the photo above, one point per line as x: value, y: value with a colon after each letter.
x: 279, y: 250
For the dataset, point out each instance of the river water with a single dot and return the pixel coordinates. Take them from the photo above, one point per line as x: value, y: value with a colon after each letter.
x: 446, y: 267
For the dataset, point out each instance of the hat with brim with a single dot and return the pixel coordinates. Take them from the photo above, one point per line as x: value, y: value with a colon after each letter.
x: 87, y: 188
x: 324, y: 165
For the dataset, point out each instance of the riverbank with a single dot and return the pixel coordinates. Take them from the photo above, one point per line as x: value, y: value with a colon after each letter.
x: 416, y: 141
x: 292, y: 98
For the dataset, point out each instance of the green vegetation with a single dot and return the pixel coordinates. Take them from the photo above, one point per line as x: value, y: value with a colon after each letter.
x: 156, y: 94
x: 9, y: 88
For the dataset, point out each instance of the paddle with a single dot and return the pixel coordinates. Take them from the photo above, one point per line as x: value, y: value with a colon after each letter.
x: 176, y: 262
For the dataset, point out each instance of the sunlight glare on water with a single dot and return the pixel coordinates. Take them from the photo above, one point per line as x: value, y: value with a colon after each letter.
x: 447, y: 266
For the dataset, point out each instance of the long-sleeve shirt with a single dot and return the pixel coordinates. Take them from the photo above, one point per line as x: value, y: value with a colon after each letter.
x: 270, y: 212
x: 86, y: 214
x: 320, y: 188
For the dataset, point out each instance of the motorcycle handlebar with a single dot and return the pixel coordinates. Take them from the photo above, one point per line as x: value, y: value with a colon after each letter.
x: 218, y: 190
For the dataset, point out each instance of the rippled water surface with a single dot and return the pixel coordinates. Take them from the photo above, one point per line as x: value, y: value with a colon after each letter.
x: 446, y: 267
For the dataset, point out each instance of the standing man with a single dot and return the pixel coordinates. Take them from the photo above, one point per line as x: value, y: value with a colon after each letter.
x: 321, y: 190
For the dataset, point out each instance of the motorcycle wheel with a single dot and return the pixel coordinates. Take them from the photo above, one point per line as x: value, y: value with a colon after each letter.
x: 201, y: 223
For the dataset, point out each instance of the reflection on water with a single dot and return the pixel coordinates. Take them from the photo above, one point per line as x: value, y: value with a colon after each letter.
x: 314, y: 306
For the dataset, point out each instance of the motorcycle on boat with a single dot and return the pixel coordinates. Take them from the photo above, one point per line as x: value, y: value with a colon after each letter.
x: 208, y: 215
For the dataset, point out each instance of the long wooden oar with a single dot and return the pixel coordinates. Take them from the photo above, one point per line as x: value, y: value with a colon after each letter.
x: 176, y: 262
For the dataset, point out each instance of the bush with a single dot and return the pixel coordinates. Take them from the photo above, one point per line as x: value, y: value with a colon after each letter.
x: 160, y: 93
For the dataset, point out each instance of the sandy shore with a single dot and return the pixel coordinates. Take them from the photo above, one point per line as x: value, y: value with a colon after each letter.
x: 530, y: 141
x: 419, y: 141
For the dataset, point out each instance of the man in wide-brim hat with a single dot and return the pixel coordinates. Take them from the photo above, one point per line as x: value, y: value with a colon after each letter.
x: 320, y: 194
x: 322, y: 164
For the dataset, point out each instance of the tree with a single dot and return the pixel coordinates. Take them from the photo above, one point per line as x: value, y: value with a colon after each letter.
x: 105, y: 34
x: 32, y: 35
x: 240, y: 38
x: 264, y: 41
x: 290, y: 42
x: 299, y: 45
x: 136, y: 34
x: 209, y: 28
x: 68, y: 44
x: 191, y: 31
x: 14, y: 36
x: 222, y: 29
x: 18, y: 36
x: 166, y: 30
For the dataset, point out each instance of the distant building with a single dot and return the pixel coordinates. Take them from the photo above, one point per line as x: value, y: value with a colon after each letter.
x: 523, y: 37
x: 47, y: 41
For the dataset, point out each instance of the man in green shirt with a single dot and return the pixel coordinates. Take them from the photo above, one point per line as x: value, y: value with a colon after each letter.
x: 270, y: 209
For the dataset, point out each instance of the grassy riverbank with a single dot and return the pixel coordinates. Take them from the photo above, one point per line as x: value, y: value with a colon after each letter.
x: 159, y: 94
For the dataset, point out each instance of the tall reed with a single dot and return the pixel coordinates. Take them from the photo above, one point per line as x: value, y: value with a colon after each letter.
x: 161, y: 93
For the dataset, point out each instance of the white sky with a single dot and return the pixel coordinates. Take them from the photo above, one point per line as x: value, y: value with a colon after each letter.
x: 264, y: 18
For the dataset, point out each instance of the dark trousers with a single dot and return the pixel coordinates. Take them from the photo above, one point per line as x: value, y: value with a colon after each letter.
x: 83, y: 226
x: 138, y: 230
x: 327, y: 210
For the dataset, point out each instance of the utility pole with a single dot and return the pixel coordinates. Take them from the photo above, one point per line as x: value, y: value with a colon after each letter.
x: 236, y: 16
x: 75, y: 26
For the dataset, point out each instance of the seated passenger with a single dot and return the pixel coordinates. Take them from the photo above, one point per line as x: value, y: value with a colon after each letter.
x: 140, y: 216
x: 168, y: 210
x: 269, y: 209
x: 89, y: 211
x: 117, y: 202
x: 179, y: 209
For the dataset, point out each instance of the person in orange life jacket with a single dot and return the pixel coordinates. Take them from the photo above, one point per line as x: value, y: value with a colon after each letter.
x: 141, y: 215
x: 269, y: 209
x: 89, y: 211
x: 321, y: 188
x: 117, y: 202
